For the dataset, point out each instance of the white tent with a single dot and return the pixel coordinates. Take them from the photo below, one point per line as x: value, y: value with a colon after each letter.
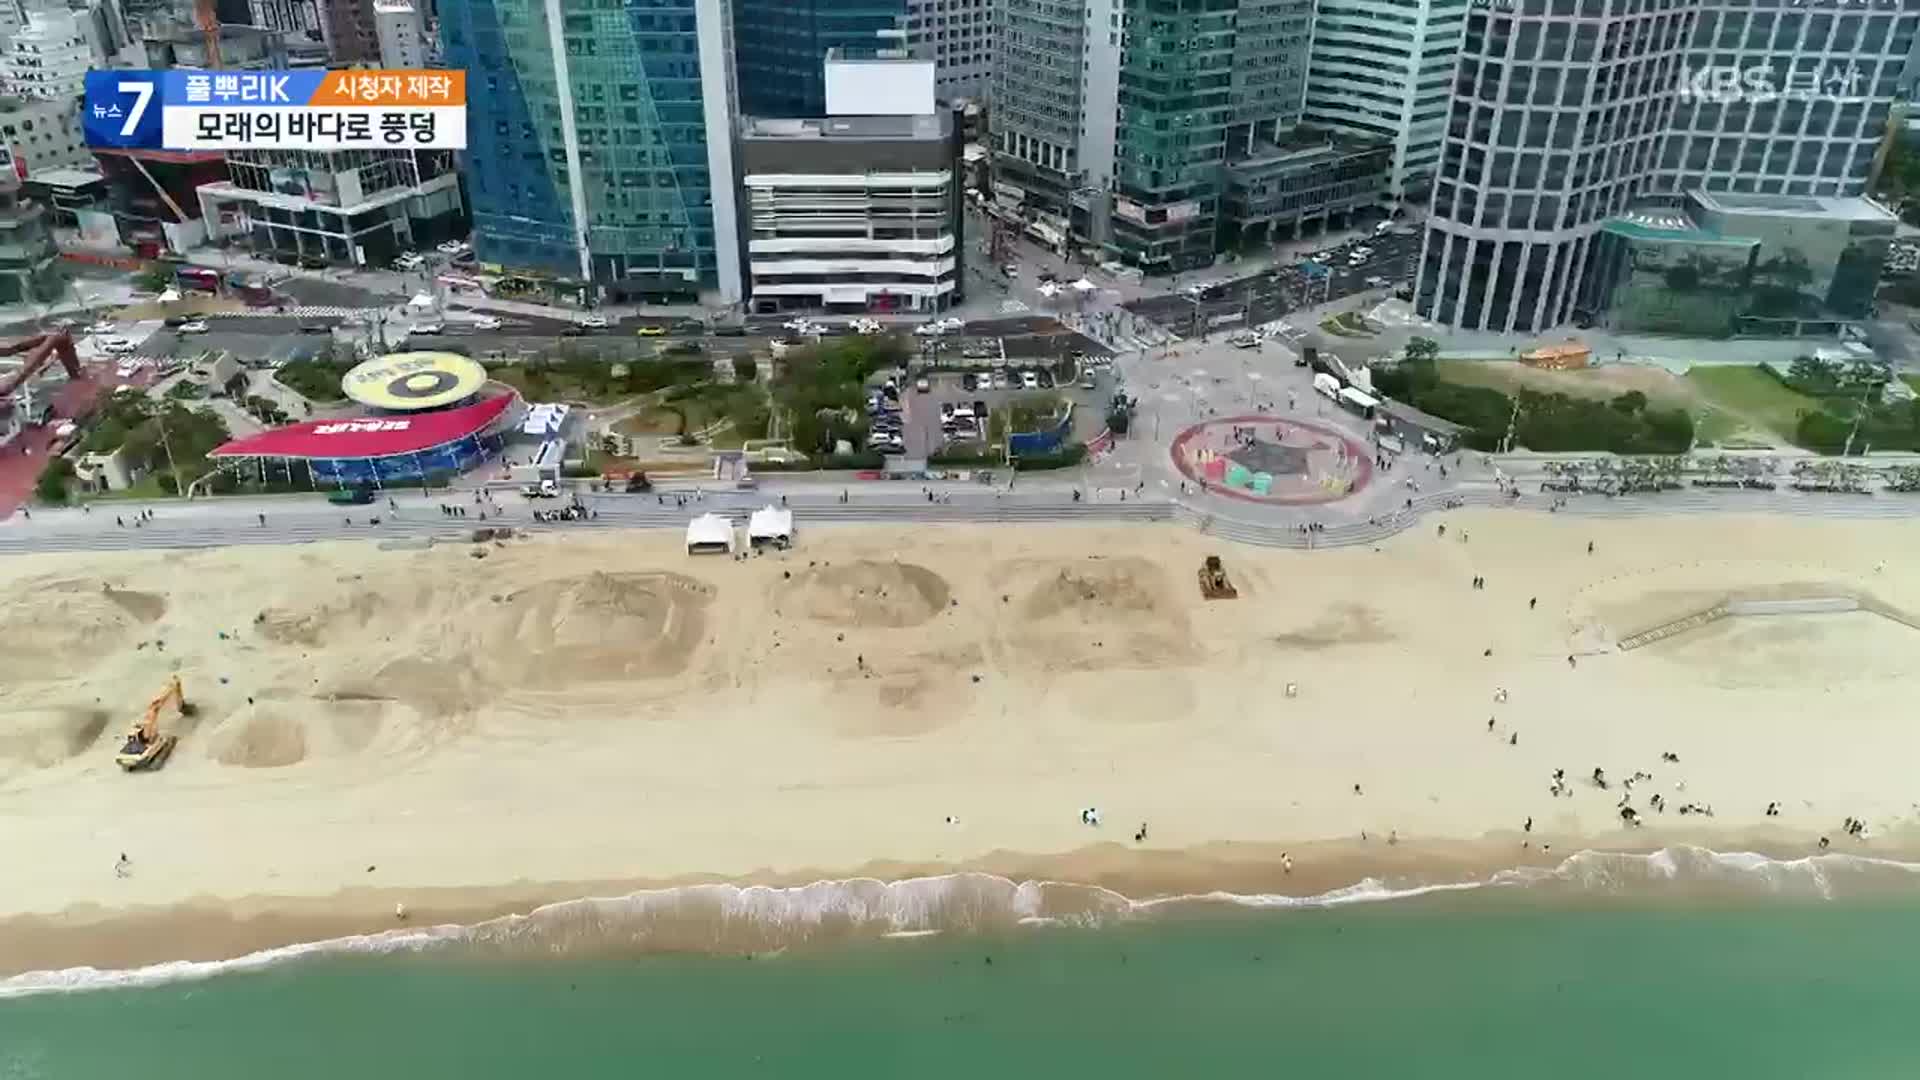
x: 421, y: 301
x: 709, y: 533
x: 1049, y: 289
x: 770, y: 525
x: 1084, y: 285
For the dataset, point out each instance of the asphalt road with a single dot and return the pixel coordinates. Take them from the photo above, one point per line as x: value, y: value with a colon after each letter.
x: 1271, y: 295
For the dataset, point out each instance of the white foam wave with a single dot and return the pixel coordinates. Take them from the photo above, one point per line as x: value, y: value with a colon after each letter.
x: 770, y: 917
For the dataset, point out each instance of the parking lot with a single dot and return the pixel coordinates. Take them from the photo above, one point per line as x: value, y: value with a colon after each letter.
x: 953, y: 411
x: 1271, y: 295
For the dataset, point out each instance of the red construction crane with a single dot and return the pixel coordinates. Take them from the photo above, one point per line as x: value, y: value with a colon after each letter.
x: 39, y: 349
x: 209, y: 23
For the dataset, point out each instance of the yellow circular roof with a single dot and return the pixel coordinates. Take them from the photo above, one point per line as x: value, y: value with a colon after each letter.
x: 414, y: 380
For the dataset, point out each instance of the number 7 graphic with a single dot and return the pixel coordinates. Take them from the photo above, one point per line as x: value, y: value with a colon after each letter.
x: 142, y: 94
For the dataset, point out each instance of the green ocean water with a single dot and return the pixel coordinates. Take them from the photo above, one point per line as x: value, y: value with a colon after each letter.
x: 1471, y: 986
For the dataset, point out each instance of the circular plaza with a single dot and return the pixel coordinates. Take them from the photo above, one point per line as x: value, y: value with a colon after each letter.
x: 1272, y: 459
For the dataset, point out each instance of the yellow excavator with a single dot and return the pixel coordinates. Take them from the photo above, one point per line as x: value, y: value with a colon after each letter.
x: 146, y: 746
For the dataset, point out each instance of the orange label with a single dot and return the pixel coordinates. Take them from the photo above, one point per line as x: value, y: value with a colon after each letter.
x: 392, y: 87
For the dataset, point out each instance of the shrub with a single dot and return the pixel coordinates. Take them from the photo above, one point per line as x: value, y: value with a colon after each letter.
x: 744, y: 369
x: 51, y: 487
x: 578, y: 470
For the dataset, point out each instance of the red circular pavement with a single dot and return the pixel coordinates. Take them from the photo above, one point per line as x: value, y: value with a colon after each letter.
x: 1303, y: 463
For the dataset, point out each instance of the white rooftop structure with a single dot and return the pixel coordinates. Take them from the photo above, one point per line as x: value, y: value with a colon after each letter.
x: 709, y: 533
x: 770, y: 524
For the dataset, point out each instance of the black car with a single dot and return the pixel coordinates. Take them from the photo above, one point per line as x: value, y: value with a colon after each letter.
x: 575, y: 330
x: 178, y: 320
x: 729, y: 330
x: 316, y: 328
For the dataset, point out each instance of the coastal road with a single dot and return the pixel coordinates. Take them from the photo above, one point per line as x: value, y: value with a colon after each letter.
x: 419, y: 521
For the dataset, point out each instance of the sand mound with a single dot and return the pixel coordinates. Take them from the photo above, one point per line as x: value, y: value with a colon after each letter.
x: 38, y: 738
x: 592, y: 628
x: 867, y: 593
x: 1096, y: 613
x: 49, y: 628
x: 1776, y: 651
x: 261, y: 738
x: 350, y: 619
x: 1098, y: 589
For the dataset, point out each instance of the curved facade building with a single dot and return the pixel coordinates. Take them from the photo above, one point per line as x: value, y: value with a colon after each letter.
x: 1571, y: 114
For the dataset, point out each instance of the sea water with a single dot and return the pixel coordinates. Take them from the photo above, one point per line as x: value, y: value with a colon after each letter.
x: 1473, y: 984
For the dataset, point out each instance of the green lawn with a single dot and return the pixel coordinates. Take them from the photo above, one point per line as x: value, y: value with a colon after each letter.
x: 1912, y: 381
x: 1752, y: 395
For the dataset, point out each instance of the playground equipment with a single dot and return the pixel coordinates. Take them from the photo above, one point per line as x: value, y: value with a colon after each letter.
x: 1213, y: 581
x: 146, y: 747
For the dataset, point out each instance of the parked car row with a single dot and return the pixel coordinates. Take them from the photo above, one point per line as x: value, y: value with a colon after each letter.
x: 1021, y: 379
x: 884, y: 425
x: 963, y: 421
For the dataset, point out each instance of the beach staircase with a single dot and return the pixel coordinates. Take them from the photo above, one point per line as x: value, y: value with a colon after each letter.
x: 1678, y: 626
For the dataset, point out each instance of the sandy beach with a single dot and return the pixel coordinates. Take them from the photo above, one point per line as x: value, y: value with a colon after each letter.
x: 585, y: 715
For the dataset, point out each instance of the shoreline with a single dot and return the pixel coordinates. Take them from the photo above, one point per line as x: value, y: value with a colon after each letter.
x: 1089, y: 885
x: 479, y: 731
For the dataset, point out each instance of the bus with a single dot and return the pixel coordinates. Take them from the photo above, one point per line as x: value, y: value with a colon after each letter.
x: 197, y: 279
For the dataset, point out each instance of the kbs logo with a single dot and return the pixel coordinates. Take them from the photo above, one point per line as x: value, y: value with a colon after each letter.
x: 1727, y: 84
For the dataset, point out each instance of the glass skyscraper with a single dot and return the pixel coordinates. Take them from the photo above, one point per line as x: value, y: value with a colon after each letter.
x: 781, y: 48
x: 1582, y: 128
x: 600, y: 140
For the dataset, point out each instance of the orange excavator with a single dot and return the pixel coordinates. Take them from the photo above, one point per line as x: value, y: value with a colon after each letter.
x: 147, y: 746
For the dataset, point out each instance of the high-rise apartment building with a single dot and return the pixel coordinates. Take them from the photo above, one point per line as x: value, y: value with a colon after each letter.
x: 780, y: 47
x: 1053, y: 108
x: 47, y: 58
x: 1384, y: 69
x: 1674, y: 126
x: 600, y: 143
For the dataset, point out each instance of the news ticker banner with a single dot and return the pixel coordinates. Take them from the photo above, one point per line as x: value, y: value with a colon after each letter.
x: 276, y: 110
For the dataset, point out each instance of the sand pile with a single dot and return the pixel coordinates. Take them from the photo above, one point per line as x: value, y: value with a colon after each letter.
x: 260, y: 738
x: 866, y: 593
x: 595, y: 627
x: 1093, y: 613
x: 366, y: 611
x: 1098, y: 589
x: 51, y: 627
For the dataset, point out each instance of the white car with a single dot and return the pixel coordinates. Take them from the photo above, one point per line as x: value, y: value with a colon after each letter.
x: 195, y: 326
x: 115, y: 345
x: 486, y: 322
x: 429, y: 327
x: 454, y: 247
x: 999, y: 380
x: 411, y: 260
x: 594, y: 322
x: 922, y: 385
x: 101, y: 328
x: 1029, y: 380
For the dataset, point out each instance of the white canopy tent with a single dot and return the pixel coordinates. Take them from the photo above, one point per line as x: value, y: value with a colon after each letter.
x: 770, y: 525
x: 422, y: 301
x: 1085, y: 286
x: 709, y: 533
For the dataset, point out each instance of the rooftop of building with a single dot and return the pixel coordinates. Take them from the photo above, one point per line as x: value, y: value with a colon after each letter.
x: 1307, y: 145
x: 862, y: 128
x: 1833, y: 208
x: 66, y: 178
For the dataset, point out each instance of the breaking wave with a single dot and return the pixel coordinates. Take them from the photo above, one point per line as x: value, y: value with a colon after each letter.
x: 765, y: 920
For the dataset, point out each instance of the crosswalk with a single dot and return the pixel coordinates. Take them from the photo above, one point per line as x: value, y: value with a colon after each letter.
x: 317, y: 311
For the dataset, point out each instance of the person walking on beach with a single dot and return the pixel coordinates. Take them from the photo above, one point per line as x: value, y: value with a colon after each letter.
x: 124, y: 867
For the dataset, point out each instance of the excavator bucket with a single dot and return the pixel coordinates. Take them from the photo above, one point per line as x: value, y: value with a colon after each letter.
x: 1213, y: 580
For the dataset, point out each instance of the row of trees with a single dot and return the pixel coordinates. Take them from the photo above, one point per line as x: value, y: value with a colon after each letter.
x: 1537, y: 421
x: 821, y: 390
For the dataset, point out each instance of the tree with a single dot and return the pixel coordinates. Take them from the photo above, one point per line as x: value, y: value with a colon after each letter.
x: 744, y: 369
x: 1422, y: 350
x: 51, y: 487
x: 154, y: 277
x: 1632, y: 401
